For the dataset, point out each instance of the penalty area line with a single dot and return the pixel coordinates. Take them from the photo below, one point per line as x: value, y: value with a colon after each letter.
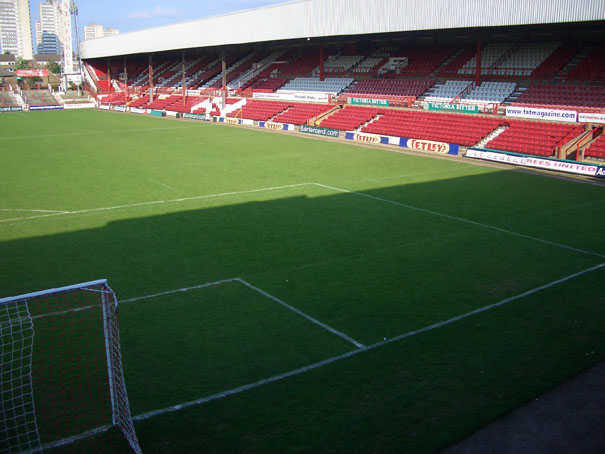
x: 302, y: 314
x: 328, y: 361
x: 459, y: 219
x: 158, y: 202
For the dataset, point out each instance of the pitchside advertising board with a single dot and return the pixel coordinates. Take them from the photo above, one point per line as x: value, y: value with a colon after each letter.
x: 84, y: 105
x: 577, y: 168
x: 569, y: 116
x: 11, y: 108
x: 52, y: 107
x: 295, y: 96
x: 190, y: 116
x: 367, y: 102
x: 366, y: 138
x: 591, y: 117
x: 429, y: 145
x: 466, y: 108
x: 318, y: 131
x: 276, y: 126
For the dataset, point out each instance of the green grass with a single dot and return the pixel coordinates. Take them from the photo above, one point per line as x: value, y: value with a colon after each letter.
x: 370, y: 242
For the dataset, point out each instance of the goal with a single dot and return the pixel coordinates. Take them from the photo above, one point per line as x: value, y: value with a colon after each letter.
x: 61, y: 380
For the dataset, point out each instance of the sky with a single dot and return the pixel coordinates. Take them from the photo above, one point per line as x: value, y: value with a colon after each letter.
x: 131, y: 15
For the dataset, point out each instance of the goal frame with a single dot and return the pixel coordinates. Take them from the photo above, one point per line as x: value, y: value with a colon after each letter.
x: 120, y: 407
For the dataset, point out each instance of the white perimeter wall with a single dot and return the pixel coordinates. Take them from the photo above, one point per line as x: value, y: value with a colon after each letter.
x: 318, y: 18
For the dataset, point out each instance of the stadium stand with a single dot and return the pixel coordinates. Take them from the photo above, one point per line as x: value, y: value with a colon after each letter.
x: 491, y: 92
x: 424, y: 61
x: 268, y: 85
x: 299, y: 114
x: 597, y: 148
x: 554, y: 72
x: 592, y: 67
x: 350, y: 118
x: 115, y: 99
x: 328, y: 85
x: 555, y: 61
x: 302, y: 65
x: 530, y: 137
x: 368, y: 65
x: 391, y: 87
x: 450, y: 128
x: 549, y: 95
x: 447, y: 91
x: 260, y: 110
x: 39, y: 98
x: 8, y: 99
x: 341, y: 64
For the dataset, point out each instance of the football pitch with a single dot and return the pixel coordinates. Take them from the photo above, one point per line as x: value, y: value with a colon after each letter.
x: 280, y: 293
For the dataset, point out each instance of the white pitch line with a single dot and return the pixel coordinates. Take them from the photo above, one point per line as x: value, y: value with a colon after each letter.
x: 162, y: 184
x: 138, y: 298
x: 34, y: 211
x: 302, y: 314
x: 212, y: 284
x: 73, y: 439
x: 325, y: 362
x: 459, y: 219
x: 157, y: 202
x: 179, y: 290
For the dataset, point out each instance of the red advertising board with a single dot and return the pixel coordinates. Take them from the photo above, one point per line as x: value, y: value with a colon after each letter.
x: 32, y: 72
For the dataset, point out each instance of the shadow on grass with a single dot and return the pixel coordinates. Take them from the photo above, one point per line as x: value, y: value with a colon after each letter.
x: 373, y: 269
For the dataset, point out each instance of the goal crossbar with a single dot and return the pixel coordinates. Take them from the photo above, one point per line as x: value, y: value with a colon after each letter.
x: 39, y: 416
x: 51, y: 291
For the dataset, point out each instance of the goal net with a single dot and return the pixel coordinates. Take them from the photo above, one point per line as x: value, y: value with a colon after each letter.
x: 61, y: 380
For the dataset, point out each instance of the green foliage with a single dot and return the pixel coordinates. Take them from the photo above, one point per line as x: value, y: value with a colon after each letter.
x: 20, y: 63
x: 53, y: 67
x: 370, y: 242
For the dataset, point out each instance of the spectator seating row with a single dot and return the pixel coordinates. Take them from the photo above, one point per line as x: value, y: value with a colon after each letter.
x: 328, y: 85
x: 260, y: 110
x: 39, y: 98
x: 394, y: 87
x: 140, y: 102
x: 185, y: 107
x: 450, y: 128
x: 556, y: 61
x: 493, y: 92
x: 336, y: 64
x: 530, y: 137
x: 506, y: 59
x: 350, y: 118
x: 303, y: 65
x: 115, y: 99
x: 423, y: 61
x: 369, y: 64
x: 300, y: 113
x: 268, y: 85
x: 592, y: 66
x: 573, y: 95
x: 7, y: 99
x: 447, y: 91
x: 597, y: 148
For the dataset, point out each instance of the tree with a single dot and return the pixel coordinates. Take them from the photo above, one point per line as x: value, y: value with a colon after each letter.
x: 21, y: 64
x: 53, y: 67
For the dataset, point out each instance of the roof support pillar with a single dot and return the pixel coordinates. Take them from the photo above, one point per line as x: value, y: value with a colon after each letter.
x: 183, y: 70
x: 126, y: 77
x: 224, y: 76
x: 109, y: 73
x: 478, y: 62
x: 321, y: 61
x: 150, y: 79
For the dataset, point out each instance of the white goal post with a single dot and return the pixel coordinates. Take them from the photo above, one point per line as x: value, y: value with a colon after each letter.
x: 61, y: 379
